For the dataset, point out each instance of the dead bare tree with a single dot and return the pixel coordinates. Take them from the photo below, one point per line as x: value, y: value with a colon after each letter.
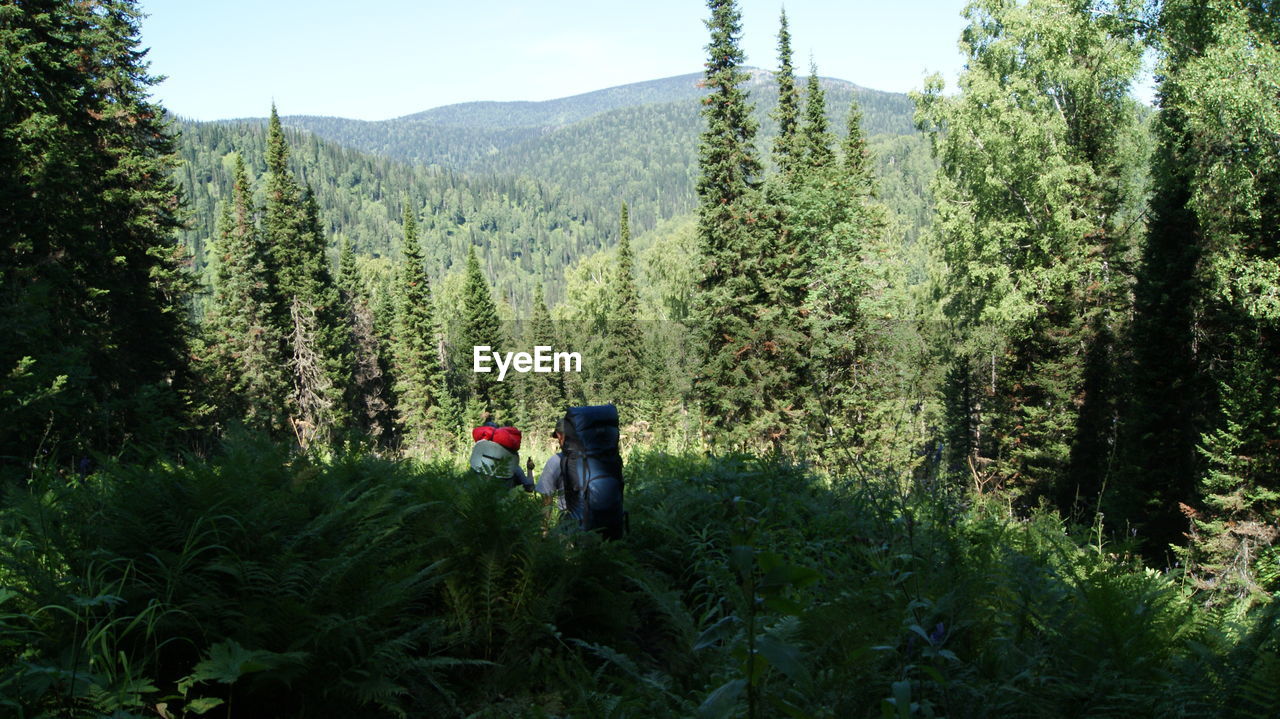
x: 311, y: 387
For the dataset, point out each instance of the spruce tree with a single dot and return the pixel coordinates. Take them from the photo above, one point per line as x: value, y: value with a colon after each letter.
x: 1199, y: 440
x: 724, y: 314
x: 248, y: 365
x: 370, y: 396
x: 814, y: 143
x: 348, y: 274
x: 93, y: 288
x: 283, y: 228
x: 545, y: 391
x: 785, y: 147
x: 856, y: 313
x: 482, y: 327
x: 307, y: 303
x: 624, y: 372
x: 856, y: 156
x: 422, y: 402
x: 751, y: 384
x: 334, y: 333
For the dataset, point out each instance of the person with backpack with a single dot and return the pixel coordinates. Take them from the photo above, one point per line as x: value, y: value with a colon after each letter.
x: 496, y: 455
x: 587, y: 471
x: 551, y: 482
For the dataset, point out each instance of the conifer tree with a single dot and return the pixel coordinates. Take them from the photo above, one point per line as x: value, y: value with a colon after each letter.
x: 1200, y: 431
x: 751, y: 384
x: 545, y: 395
x: 785, y: 148
x: 370, y: 396
x: 284, y: 226
x: 857, y: 320
x: 348, y: 274
x: 307, y: 303
x: 814, y: 139
x: 240, y: 328
x: 334, y: 332
x: 482, y: 327
x: 422, y: 400
x: 624, y: 371
x: 724, y: 314
x: 856, y: 157
x: 93, y: 288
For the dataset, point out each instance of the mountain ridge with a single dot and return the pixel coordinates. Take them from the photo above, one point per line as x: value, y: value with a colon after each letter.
x: 663, y: 89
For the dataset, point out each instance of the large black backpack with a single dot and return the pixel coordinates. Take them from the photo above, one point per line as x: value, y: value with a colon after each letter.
x: 593, y: 467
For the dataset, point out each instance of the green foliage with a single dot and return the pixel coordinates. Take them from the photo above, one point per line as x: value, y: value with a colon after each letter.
x: 1207, y: 329
x: 307, y: 306
x: 814, y: 140
x: 524, y: 230
x: 636, y: 142
x: 625, y: 371
x: 742, y: 317
x: 481, y: 326
x: 92, y: 287
x: 264, y: 583
x: 245, y: 363
x: 785, y: 146
x: 423, y: 401
x: 1036, y: 210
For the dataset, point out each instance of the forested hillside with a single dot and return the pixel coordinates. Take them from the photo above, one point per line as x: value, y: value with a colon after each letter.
x: 526, y: 231
x: 534, y: 209
x: 634, y: 143
x: 963, y: 405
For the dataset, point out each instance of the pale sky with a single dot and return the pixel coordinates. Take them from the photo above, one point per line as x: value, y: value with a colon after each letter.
x: 385, y: 59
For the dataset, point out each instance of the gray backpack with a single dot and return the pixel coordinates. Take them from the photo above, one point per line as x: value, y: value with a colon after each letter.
x: 490, y: 459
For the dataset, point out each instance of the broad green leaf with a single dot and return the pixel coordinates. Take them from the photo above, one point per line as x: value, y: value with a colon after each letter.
x: 784, y: 656
x: 722, y: 702
x: 203, y: 704
x: 722, y: 630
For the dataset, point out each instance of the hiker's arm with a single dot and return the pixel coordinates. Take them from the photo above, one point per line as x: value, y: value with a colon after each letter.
x: 550, y: 481
x: 524, y: 479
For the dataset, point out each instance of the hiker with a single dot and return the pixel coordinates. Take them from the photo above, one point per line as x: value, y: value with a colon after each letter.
x: 587, y: 471
x: 551, y: 482
x: 496, y: 454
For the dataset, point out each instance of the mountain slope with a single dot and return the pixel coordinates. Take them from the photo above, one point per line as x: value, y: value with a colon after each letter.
x: 636, y: 143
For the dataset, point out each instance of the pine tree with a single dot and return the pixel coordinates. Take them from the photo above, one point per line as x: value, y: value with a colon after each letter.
x: 423, y: 403
x: 785, y: 148
x: 93, y: 289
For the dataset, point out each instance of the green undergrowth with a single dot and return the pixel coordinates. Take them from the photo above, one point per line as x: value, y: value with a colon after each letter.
x: 267, y: 584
